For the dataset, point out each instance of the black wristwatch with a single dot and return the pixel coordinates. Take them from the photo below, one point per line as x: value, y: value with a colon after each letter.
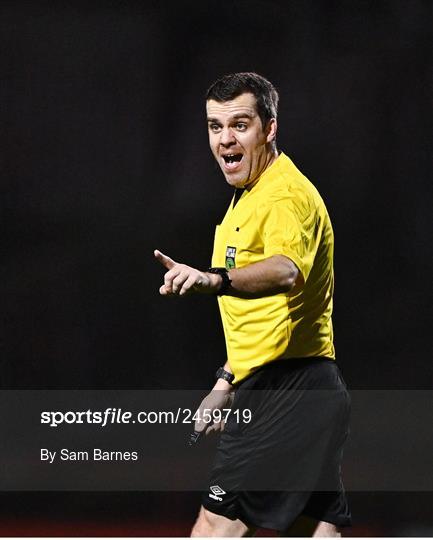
x: 223, y: 374
x: 226, y: 281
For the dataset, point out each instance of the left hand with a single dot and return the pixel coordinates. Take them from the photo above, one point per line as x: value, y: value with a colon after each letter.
x: 219, y: 426
x: 217, y: 399
x: 182, y: 279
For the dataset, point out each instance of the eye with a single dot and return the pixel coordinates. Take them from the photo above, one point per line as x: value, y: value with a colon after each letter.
x: 214, y: 128
x: 241, y: 126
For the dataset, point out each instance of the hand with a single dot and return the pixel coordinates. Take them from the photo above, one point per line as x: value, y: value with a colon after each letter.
x: 182, y: 279
x: 216, y: 400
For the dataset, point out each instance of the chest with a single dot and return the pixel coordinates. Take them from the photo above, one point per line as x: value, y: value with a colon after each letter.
x: 239, y: 239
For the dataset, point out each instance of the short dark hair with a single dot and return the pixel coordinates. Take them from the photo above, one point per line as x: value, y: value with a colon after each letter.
x: 233, y: 85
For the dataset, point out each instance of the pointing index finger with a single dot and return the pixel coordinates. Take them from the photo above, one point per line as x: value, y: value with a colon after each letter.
x: 164, y: 259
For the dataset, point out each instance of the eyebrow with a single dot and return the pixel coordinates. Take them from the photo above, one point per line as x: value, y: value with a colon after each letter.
x: 234, y: 117
x: 243, y: 115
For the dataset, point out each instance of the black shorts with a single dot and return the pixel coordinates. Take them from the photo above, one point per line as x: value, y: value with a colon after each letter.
x: 286, y: 461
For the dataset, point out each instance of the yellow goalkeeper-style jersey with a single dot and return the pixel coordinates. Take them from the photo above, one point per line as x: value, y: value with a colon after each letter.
x: 283, y: 214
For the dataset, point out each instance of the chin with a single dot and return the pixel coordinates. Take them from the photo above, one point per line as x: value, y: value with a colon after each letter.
x: 238, y: 185
x: 235, y: 182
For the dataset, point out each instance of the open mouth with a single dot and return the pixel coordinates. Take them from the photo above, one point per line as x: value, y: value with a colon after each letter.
x: 232, y: 160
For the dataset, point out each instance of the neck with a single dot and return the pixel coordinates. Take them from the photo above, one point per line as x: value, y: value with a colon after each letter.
x: 270, y: 158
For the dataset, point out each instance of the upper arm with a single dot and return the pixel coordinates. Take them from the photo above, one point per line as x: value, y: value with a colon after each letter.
x: 291, y: 229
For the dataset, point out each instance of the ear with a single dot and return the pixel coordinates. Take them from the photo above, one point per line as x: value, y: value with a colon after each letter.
x: 271, y: 130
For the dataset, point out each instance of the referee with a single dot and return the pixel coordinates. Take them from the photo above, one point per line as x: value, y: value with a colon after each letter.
x: 272, y: 271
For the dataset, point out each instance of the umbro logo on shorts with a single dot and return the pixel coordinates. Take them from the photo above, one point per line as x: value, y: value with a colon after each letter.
x: 216, y: 491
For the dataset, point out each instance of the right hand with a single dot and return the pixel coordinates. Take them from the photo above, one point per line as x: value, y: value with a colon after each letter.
x: 181, y: 279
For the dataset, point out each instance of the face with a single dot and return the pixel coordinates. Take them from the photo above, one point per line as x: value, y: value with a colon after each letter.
x: 239, y: 142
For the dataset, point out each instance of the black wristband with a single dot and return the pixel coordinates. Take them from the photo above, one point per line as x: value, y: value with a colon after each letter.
x: 226, y: 281
x: 223, y: 374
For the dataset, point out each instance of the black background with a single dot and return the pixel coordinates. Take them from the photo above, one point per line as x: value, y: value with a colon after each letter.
x: 104, y: 157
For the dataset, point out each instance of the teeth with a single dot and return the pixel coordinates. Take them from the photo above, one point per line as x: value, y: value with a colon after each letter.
x: 229, y: 158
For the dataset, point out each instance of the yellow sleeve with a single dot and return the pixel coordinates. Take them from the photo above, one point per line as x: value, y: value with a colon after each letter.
x: 292, y: 228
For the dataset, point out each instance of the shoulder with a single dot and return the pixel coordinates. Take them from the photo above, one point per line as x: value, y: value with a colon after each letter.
x: 291, y: 191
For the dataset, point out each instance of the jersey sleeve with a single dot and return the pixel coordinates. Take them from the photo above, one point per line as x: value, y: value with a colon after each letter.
x: 292, y: 228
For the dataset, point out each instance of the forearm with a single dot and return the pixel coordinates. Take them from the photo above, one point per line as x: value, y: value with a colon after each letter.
x: 270, y: 276
x: 219, y: 397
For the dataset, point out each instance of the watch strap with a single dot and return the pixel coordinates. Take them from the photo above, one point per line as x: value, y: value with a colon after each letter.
x: 226, y: 281
x: 223, y: 374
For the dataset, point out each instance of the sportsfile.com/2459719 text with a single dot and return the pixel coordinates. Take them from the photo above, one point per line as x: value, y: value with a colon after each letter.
x: 112, y: 415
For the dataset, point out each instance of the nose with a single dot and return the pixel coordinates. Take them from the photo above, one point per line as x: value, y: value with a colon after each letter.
x: 227, y: 137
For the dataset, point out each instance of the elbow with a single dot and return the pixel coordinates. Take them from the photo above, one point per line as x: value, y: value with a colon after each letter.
x: 289, y: 282
x: 292, y: 278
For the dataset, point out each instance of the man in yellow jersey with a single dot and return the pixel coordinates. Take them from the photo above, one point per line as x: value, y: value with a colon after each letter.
x: 272, y: 270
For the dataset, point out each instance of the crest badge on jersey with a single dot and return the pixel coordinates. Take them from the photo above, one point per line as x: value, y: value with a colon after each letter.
x: 230, y: 257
